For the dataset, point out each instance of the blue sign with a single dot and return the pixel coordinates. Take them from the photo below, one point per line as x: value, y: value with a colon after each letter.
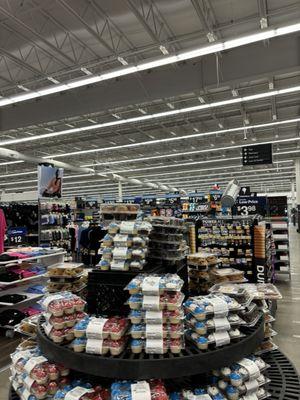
x: 17, y: 235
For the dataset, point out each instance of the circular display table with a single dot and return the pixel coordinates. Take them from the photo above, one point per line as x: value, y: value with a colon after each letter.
x: 127, y: 365
x: 285, y: 381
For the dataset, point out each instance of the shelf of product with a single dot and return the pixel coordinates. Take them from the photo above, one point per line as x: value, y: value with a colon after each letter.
x: 66, y: 277
x: 157, y: 347
x: 204, y: 271
x: 276, y: 378
x: 54, y: 217
x: 280, y: 230
x: 231, y: 239
x: 125, y: 246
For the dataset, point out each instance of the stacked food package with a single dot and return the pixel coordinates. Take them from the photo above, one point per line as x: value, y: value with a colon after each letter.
x: 62, y: 311
x: 213, y: 320
x: 127, y: 390
x: 125, y: 246
x: 156, y: 313
x: 66, y: 277
x: 33, y: 375
x: 166, y: 239
x: 257, y: 302
x: 100, y: 335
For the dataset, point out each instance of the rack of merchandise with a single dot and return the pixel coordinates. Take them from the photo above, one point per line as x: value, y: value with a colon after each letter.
x: 231, y: 238
x: 280, y: 230
x: 54, y: 219
x: 22, y: 283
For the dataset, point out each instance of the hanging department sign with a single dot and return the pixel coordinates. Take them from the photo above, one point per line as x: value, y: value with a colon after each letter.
x: 249, y: 205
x: 49, y: 181
x: 257, y: 155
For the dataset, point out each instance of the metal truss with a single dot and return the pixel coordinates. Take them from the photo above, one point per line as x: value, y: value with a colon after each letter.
x: 207, y: 18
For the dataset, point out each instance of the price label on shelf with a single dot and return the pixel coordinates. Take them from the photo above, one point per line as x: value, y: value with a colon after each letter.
x: 17, y: 235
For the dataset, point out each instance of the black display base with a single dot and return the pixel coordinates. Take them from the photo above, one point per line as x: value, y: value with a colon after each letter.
x: 284, y: 385
x: 190, y: 361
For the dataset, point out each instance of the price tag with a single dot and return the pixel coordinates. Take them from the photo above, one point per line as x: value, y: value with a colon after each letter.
x: 118, y: 265
x: 154, y: 316
x: 94, y: 346
x: 221, y: 324
x: 220, y: 306
x: 28, y: 382
x: 251, y: 396
x: 154, y: 331
x: 252, y: 385
x: 150, y: 285
x: 151, y: 303
x: 127, y: 227
x: 251, y: 368
x: 33, y: 362
x: 141, y: 391
x: 17, y: 235
x: 49, y: 299
x: 48, y: 328
x: 201, y: 397
x: 154, y: 346
x: 25, y: 394
x: 120, y: 252
x: 77, y: 393
x: 221, y: 338
x: 95, y: 327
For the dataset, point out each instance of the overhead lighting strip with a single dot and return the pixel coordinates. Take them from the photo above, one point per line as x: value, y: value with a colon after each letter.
x: 167, y: 59
x: 156, y: 116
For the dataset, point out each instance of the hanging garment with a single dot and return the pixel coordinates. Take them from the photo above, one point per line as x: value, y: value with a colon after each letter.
x: 2, y: 230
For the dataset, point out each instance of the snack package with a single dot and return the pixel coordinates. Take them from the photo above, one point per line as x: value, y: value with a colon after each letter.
x: 155, y: 284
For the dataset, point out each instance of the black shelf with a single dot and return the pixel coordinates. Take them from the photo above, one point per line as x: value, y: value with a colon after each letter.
x: 190, y: 361
x: 284, y: 385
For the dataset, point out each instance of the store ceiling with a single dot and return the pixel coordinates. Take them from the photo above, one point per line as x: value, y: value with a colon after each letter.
x: 44, y: 42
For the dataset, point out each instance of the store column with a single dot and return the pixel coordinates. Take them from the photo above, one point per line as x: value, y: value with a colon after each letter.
x: 297, y: 167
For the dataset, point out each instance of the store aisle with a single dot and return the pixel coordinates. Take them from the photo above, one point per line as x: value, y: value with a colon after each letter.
x: 288, y: 313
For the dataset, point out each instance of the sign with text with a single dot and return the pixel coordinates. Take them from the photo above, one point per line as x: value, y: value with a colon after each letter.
x: 249, y: 205
x: 259, y: 154
x: 17, y: 235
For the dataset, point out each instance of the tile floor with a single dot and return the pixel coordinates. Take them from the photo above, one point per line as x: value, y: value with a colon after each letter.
x: 287, y: 318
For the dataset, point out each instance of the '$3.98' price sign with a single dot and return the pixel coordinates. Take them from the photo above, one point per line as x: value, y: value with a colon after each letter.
x: 248, y: 205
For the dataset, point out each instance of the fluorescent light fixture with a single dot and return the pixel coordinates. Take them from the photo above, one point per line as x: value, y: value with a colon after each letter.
x: 201, y: 99
x: 220, y: 125
x: 154, y: 116
x: 11, y: 162
x: 53, y: 80
x: 116, y: 116
x: 173, y: 133
x: 23, y: 88
x: 235, y: 93
x: 70, y: 125
x: 164, y: 50
x: 158, y: 62
x: 92, y: 120
x: 165, y: 140
x: 86, y: 71
x: 141, y: 110
x: 122, y: 61
x: 170, y: 105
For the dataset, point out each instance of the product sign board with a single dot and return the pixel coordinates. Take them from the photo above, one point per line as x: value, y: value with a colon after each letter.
x: 245, y: 191
x: 49, y: 181
x: 249, y: 205
x: 17, y: 235
x: 258, y: 154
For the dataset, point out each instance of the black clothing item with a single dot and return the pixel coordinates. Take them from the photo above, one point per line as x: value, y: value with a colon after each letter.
x: 12, y: 298
x: 11, y: 317
x: 9, y: 277
x: 7, y: 257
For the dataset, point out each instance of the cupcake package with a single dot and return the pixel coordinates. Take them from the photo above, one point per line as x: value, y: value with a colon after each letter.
x: 61, y: 312
x: 100, y: 335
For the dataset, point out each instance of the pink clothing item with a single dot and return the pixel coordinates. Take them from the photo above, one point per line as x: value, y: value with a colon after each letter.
x: 3, y: 227
x: 18, y: 255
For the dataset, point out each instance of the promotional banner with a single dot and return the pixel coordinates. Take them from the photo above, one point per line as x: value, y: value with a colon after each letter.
x: 49, y: 181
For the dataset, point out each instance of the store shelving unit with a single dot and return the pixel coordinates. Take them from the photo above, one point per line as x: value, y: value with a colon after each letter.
x: 20, y: 286
x: 280, y: 228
